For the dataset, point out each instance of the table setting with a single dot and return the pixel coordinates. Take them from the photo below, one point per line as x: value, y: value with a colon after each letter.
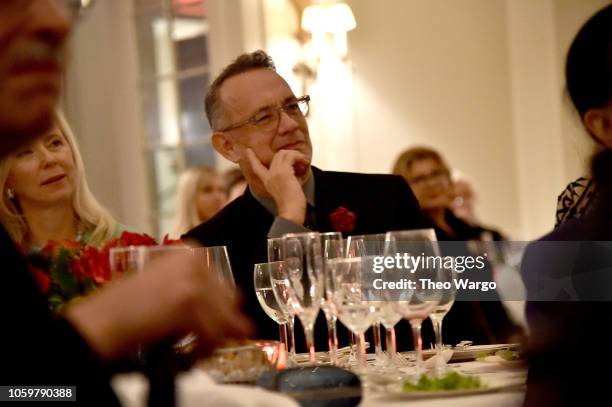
x: 311, y: 272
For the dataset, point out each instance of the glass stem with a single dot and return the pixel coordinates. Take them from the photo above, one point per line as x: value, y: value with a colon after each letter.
x: 284, y: 337
x: 309, y: 333
x: 390, y: 339
x: 437, y: 324
x: 362, y: 353
x: 415, y: 324
x: 332, y: 338
x: 292, y: 336
x: 377, y: 342
x: 352, y: 360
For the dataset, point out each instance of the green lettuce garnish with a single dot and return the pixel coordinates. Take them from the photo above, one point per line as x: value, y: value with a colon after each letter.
x: 451, y: 381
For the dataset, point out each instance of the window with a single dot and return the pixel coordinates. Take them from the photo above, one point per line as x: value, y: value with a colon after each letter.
x: 174, y: 75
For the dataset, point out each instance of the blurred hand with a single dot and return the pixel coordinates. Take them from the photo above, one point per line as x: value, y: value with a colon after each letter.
x: 282, y: 181
x: 172, y: 297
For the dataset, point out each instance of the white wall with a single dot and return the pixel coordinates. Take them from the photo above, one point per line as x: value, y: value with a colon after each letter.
x: 436, y: 72
x: 103, y: 106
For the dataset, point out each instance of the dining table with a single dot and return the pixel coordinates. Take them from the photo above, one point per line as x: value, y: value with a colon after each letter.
x: 504, y: 385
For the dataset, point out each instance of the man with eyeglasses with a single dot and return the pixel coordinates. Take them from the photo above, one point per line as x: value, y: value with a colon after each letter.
x: 77, y: 348
x: 260, y: 124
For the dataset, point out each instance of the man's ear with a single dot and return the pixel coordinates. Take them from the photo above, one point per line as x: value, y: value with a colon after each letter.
x: 225, y: 145
x: 598, y: 122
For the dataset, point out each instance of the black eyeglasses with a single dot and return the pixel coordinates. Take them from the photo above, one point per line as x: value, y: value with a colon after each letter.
x: 268, y: 118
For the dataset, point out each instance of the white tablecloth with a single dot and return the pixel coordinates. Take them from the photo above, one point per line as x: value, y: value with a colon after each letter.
x: 197, y: 389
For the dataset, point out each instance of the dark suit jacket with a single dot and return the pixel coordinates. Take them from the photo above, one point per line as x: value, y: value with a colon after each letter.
x: 380, y: 202
x: 38, y: 349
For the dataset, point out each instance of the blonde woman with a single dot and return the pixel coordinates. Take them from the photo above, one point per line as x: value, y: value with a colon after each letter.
x: 201, y: 194
x: 45, y: 195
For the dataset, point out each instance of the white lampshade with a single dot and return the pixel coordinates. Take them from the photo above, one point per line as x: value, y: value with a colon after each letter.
x: 314, y: 19
x: 340, y: 18
x: 333, y: 18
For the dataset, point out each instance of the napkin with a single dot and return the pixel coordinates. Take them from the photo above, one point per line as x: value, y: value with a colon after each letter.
x: 195, y: 389
x: 446, y: 355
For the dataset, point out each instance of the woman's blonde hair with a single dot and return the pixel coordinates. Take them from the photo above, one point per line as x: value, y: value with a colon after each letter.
x: 186, y: 211
x: 94, y: 222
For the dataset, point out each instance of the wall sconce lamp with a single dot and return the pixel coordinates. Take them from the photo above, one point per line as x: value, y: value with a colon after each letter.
x: 324, y: 20
x: 322, y: 34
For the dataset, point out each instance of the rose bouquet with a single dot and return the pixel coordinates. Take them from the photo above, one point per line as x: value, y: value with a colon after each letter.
x: 67, y: 270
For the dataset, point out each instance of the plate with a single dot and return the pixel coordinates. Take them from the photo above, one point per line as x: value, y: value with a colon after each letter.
x: 515, y: 364
x: 398, y: 393
x: 469, y: 352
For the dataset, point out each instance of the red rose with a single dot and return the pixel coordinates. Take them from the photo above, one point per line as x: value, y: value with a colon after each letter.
x: 135, y: 239
x: 42, y: 279
x: 343, y: 220
x: 93, y: 264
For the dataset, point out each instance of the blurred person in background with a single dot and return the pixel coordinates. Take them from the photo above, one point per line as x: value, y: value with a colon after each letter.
x: 464, y: 198
x: 429, y: 176
x: 430, y: 179
x: 76, y: 349
x: 46, y: 195
x: 201, y: 194
x: 235, y: 182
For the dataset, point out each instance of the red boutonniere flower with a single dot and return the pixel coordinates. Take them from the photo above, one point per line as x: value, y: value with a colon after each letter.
x: 343, y: 220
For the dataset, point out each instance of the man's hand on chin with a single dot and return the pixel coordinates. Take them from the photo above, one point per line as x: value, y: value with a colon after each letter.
x: 282, y: 180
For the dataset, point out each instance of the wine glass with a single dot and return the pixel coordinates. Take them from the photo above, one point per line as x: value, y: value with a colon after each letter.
x: 423, y: 295
x: 447, y: 299
x: 303, y: 258
x: 332, y: 245
x: 275, y: 253
x: 389, y: 315
x: 216, y: 259
x: 265, y: 295
x: 363, y: 246
x: 125, y: 260
x: 348, y: 298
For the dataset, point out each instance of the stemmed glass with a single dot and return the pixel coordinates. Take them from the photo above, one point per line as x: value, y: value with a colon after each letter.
x: 353, y: 308
x: 276, y: 253
x: 389, y: 315
x: 371, y: 245
x: 303, y: 258
x: 216, y: 259
x: 262, y: 278
x: 447, y: 299
x: 332, y: 245
x: 418, y: 302
x: 125, y: 260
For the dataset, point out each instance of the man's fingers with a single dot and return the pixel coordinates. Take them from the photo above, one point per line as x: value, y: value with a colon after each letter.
x: 293, y: 158
x: 256, y: 165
